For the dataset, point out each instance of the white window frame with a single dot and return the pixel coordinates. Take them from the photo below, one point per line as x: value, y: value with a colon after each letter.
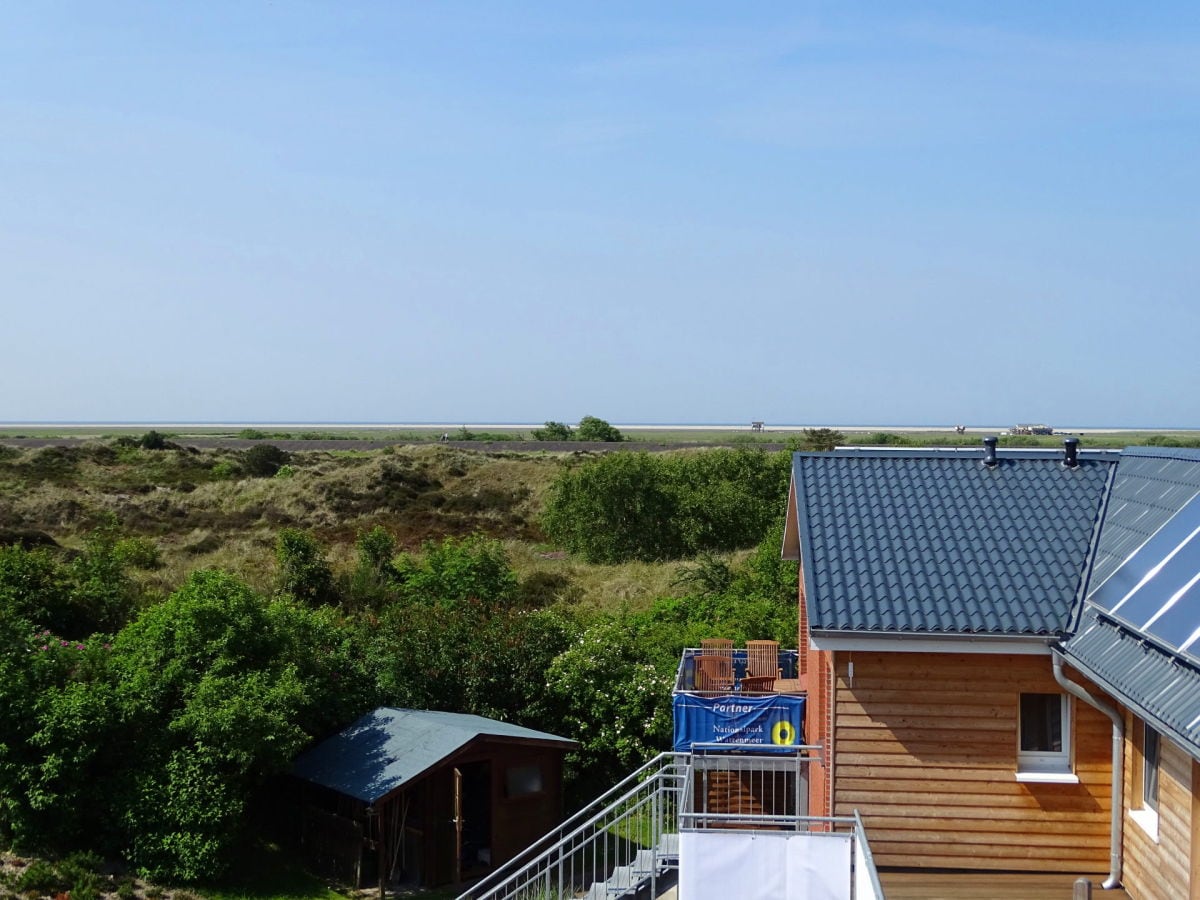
x: 1147, y: 814
x: 1054, y: 766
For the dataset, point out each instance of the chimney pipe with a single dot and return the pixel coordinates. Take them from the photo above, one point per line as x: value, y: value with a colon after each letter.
x: 989, y: 452
x: 1071, y: 452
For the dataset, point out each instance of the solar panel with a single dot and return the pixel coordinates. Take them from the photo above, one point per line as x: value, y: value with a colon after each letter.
x: 1157, y: 589
x: 1144, y: 564
x: 1179, y: 615
x: 1154, y: 595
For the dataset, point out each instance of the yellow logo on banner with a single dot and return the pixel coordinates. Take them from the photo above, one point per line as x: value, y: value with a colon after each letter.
x: 783, y: 733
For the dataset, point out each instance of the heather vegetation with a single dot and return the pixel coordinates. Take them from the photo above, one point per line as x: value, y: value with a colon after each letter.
x: 176, y: 625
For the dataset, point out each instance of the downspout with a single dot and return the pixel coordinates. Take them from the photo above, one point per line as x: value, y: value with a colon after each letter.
x: 1118, y: 767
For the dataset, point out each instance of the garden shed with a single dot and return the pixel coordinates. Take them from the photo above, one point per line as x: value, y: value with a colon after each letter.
x: 425, y: 797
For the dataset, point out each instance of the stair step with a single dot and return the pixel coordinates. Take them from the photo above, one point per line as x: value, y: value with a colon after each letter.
x: 668, y: 845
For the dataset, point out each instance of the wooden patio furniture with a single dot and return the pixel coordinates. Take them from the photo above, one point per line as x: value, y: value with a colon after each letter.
x: 762, y: 658
x: 714, y: 674
x: 758, y: 684
x: 716, y: 647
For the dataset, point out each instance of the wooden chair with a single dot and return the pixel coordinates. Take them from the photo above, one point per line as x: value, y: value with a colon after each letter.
x: 758, y: 684
x: 716, y: 647
x: 762, y: 658
x: 714, y: 674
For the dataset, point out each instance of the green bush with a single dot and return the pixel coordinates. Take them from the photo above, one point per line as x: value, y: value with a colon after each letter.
x: 263, y: 460
x: 651, y: 507
x: 455, y: 570
x: 82, y: 871
x: 224, y: 469
x: 216, y: 689
x: 593, y: 429
x: 370, y: 583
x: 303, y: 570
x: 139, y: 553
x: 820, y: 439
x: 41, y: 877
x: 553, y: 431
x: 153, y: 440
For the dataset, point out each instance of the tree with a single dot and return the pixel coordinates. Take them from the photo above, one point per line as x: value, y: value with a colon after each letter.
x: 213, y: 691
x: 554, y: 431
x: 593, y: 429
x: 614, y: 698
x: 822, y: 439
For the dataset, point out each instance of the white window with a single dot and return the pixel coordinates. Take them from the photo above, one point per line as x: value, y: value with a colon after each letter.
x: 1044, y: 738
x: 1150, y: 747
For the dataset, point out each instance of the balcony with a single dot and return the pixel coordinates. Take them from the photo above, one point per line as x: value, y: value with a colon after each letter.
x: 739, y: 696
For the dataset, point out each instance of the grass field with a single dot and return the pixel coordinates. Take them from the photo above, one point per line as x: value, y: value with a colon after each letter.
x: 634, y: 434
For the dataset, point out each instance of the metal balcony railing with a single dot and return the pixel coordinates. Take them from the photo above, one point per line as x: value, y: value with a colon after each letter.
x: 626, y: 838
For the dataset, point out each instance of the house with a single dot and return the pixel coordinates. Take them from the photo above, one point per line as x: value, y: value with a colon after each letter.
x: 1002, y: 656
x: 426, y: 797
x: 1138, y: 638
x: 934, y: 585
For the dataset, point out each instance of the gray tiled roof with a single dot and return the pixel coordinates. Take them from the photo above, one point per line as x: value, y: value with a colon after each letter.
x: 390, y: 747
x: 934, y: 542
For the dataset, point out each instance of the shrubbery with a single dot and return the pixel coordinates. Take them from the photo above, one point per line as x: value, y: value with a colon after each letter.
x: 590, y: 429
x: 264, y: 460
x: 157, y: 740
x: 147, y: 728
x: 653, y: 506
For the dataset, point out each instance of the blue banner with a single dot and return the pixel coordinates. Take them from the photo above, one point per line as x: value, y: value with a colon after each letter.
x: 773, y: 723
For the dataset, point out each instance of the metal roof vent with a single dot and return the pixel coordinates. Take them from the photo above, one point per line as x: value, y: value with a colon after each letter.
x: 989, y: 452
x: 1071, y: 452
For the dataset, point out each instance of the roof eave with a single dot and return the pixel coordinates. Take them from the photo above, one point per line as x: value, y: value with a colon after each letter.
x: 1184, y: 742
x: 930, y: 642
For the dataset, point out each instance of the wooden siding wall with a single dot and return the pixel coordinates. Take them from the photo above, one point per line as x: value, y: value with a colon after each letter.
x: 1158, y: 870
x: 519, y: 821
x: 926, y: 749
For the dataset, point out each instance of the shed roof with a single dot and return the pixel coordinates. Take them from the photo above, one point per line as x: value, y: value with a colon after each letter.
x: 390, y: 747
x: 935, y: 542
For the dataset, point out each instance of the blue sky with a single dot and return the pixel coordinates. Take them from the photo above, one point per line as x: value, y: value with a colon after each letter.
x: 891, y: 213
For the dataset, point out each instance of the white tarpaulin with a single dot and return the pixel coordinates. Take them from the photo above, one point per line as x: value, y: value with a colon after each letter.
x: 864, y: 882
x: 719, y: 865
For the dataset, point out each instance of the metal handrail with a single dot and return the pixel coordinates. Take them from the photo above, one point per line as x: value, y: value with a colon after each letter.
x: 868, y: 857
x: 623, y: 840
x: 586, y: 829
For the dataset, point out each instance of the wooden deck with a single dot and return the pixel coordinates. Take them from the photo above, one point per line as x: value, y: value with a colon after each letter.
x: 914, y: 884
